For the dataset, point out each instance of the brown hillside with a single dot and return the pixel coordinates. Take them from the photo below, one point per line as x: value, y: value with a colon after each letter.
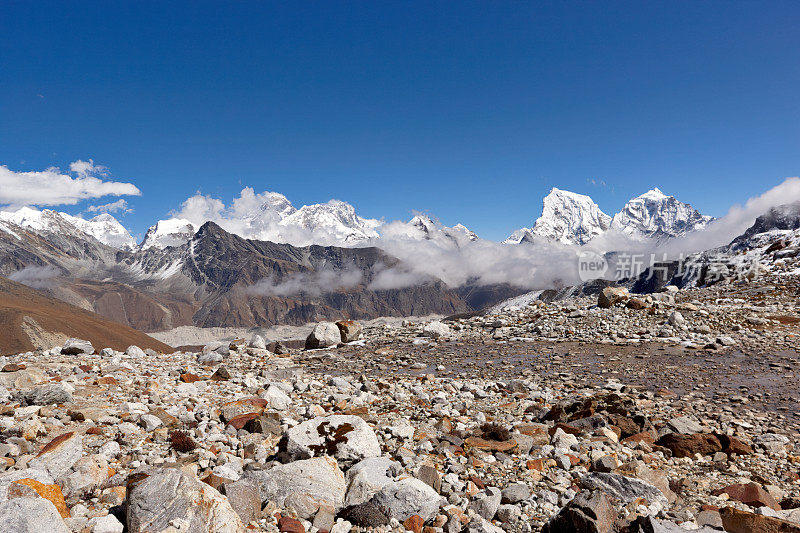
x: 31, y: 320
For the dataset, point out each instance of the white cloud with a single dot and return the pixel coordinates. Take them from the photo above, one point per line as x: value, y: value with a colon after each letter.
x: 120, y: 205
x: 37, y: 277
x: 314, y: 283
x: 49, y: 187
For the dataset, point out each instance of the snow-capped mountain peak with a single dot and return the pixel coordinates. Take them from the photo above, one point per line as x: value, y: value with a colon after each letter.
x: 104, y: 227
x: 656, y: 215
x: 169, y: 232
x: 570, y: 218
x: 332, y: 221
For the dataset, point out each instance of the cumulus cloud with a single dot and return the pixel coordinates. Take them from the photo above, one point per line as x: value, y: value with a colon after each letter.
x: 85, y: 180
x: 312, y: 283
x: 120, y: 205
x: 37, y: 277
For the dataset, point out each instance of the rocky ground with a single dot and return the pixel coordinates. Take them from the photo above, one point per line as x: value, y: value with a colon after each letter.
x: 672, y: 412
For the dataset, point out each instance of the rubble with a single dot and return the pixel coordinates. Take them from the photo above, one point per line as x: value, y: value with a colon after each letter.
x: 560, y: 416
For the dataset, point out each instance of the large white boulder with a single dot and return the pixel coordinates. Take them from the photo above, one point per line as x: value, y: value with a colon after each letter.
x: 348, y: 438
x: 323, y: 335
x: 318, y: 480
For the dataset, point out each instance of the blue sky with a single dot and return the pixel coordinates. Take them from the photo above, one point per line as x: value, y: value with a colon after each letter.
x: 470, y: 111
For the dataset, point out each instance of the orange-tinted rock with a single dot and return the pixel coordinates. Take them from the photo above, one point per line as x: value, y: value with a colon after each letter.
x: 736, y: 521
x: 644, y: 436
x: 107, y: 380
x: 731, y: 445
x: 535, y: 464
x: 688, y: 445
x: 48, y: 492
x: 751, y: 494
x: 189, y: 377
x: 414, y: 523
x: 238, y: 422
x: 290, y: 525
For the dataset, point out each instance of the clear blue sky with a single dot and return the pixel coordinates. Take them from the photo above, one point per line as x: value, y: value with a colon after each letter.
x: 471, y: 111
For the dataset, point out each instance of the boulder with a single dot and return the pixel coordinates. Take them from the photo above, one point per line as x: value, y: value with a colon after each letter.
x: 50, y: 394
x: 245, y: 499
x: 366, y: 478
x: 134, y: 351
x: 106, y: 524
x: 350, y: 330
x: 365, y: 515
x: 159, y: 498
x: 436, y: 330
x: 684, y: 425
x: 258, y: 342
x: 59, y: 455
x: 588, y: 512
x: 323, y: 335
x: 407, y: 497
x: 348, y: 438
x: 319, y: 479
x: 277, y: 398
x: 626, y: 489
x: 751, y: 494
x: 736, y: 521
x: 88, y: 474
x: 689, y: 445
x: 610, y: 296
x: 76, y: 347
x: 30, y: 515
x: 515, y: 493
x: 487, y: 502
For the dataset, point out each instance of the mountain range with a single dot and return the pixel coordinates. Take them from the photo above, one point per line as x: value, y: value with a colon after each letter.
x: 275, y: 264
x: 567, y: 218
x: 571, y: 218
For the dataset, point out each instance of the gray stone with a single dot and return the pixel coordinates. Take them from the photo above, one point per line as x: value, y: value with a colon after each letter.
x: 76, y: 347
x: 134, y: 351
x: 319, y: 478
x: 258, y: 342
x: 626, y: 489
x: 516, y: 492
x: 407, y: 497
x: 367, y: 477
x: 348, y: 438
x: 245, y: 499
x: 508, y: 513
x: 323, y: 335
x: 30, y: 515
x: 168, y: 495
x: 649, y: 524
x: 59, y: 455
x: 487, y: 502
x: 350, y: 330
x: 106, y: 524
x: 436, y: 330
x: 52, y: 393
x: 277, y: 398
x: 586, y: 513
x: 431, y: 476
x: 684, y: 425
x: 150, y: 422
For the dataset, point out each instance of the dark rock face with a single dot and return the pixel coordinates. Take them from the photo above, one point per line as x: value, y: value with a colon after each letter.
x: 213, y: 280
x: 784, y: 217
x: 586, y: 513
x: 365, y: 515
x: 688, y: 445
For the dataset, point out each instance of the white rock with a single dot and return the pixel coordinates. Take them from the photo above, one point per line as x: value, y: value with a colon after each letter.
x: 436, y: 330
x: 348, y: 438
